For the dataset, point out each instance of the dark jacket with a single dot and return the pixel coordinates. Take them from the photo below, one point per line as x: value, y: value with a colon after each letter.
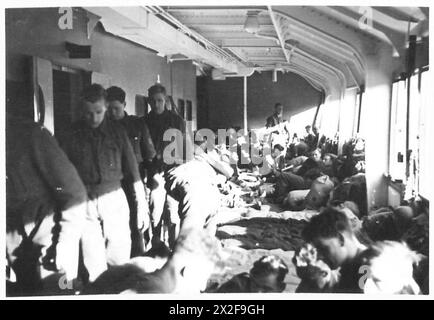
x: 102, y: 156
x: 158, y: 124
x: 40, y: 179
x: 272, y: 121
x: 140, y: 138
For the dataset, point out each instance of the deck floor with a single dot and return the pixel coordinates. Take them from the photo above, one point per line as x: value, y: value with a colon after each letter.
x: 249, y: 234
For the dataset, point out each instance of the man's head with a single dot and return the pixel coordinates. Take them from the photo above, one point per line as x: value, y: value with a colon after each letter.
x: 330, y: 232
x: 157, y: 98
x: 390, y: 266
x: 277, y: 151
x: 308, y: 127
x: 116, y: 102
x: 94, y: 105
x: 268, y: 274
x: 278, y: 109
x: 328, y: 159
x: 316, y: 155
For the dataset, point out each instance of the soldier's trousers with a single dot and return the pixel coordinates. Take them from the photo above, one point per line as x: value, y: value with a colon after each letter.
x: 108, y: 227
x: 287, y: 181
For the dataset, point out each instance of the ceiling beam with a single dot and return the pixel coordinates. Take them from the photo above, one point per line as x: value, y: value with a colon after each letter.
x: 378, y: 18
x: 351, y: 19
x: 251, y: 42
x: 279, y: 34
x: 319, y: 27
x: 209, y: 8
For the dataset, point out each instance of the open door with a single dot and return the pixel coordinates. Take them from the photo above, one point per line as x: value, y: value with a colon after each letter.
x: 67, y: 87
x: 42, y: 86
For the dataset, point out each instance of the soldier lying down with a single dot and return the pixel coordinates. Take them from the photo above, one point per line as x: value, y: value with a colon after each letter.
x: 334, y: 260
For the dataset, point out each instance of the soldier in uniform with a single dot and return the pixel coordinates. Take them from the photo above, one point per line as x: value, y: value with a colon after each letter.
x: 102, y: 153
x: 159, y: 120
x: 45, y: 207
x: 144, y: 151
x: 277, y: 117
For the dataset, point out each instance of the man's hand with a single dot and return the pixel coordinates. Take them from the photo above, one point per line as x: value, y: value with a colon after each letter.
x: 66, y: 260
x: 276, y: 172
x: 143, y: 216
x: 143, y: 219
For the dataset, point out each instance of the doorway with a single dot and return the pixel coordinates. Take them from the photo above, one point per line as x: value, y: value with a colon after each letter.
x: 67, y: 87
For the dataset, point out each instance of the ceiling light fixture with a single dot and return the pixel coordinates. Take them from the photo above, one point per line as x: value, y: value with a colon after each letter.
x: 251, y: 24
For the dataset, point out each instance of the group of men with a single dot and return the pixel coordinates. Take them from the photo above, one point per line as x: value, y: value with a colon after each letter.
x: 80, y: 205
x: 311, y: 138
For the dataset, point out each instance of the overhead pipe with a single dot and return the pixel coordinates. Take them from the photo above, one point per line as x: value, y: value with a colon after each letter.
x: 208, y: 44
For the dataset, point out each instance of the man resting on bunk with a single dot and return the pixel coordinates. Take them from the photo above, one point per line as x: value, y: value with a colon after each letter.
x: 300, y: 180
x: 350, y: 266
x: 272, y: 163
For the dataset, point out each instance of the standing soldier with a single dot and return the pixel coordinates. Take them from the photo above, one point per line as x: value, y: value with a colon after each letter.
x: 45, y: 207
x: 101, y: 151
x: 144, y: 151
x: 159, y: 120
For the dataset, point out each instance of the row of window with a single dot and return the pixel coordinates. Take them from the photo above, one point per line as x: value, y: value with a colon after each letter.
x: 408, y: 139
x: 408, y: 147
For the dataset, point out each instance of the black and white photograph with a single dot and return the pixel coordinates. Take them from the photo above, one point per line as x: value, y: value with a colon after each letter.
x: 217, y: 149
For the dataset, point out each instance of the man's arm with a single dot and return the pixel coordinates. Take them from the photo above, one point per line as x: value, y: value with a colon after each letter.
x: 187, y: 140
x: 132, y: 176
x: 219, y: 165
x: 69, y: 193
x: 146, y: 144
x: 269, y: 122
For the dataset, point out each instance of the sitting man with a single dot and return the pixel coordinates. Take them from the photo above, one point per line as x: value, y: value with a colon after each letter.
x: 331, y: 234
x: 272, y: 163
x: 313, y: 161
x: 361, y: 269
x: 314, y: 198
x: 302, y: 179
x: 267, y: 275
x: 311, y: 137
x: 330, y: 164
